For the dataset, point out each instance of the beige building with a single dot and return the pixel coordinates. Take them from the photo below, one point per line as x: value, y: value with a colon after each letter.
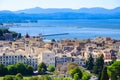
x: 46, y: 56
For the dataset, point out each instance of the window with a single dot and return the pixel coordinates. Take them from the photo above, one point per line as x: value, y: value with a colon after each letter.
x: 48, y: 55
x: 6, y: 56
x: 15, y: 56
x: 80, y: 62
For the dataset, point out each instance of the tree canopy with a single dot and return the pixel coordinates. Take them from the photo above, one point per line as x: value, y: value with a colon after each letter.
x: 98, y: 66
x: 51, y: 68
x: 29, y: 70
x: 76, y: 70
x: 90, y: 63
x: 104, y: 75
x: 76, y: 76
x: 42, y: 68
x: 8, y: 77
x: 20, y: 76
x: 4, y: 31
x: 12, y: 70
x: 3, y: 70
x: 21, y: 68
x: 114, y: 70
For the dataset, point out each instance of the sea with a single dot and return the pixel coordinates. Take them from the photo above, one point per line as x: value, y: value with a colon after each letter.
x: 76, y: 29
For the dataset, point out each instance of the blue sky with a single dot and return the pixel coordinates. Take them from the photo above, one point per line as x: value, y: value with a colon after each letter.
x: 74, y: 4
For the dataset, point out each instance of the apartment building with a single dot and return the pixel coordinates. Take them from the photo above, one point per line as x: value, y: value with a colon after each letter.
x: 79, y: 60
x: 46, y: 56
x: 67, y: 58
x: 61, y: 59
x: 13, y: 58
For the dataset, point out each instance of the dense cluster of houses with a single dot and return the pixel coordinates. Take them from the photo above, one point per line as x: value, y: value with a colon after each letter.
x: 33, y: 50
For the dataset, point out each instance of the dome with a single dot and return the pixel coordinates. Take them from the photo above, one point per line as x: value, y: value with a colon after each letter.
x: 27, y: 36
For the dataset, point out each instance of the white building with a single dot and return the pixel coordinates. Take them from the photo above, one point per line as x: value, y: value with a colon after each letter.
x: 47, y: 56
x: 12, y: 58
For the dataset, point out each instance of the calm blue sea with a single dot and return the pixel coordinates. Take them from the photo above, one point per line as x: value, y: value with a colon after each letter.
x: 77, y: 29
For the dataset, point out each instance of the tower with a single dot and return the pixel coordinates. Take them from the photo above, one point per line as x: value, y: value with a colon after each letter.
x: 27, y: 43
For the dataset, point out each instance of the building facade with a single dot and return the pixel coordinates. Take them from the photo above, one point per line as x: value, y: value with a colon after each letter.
x: 12, y: 58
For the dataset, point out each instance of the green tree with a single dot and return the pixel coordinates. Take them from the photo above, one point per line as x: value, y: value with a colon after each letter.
x: 90, y: 63
x: 19, y: 75
x: 76, y: 76
x: 3, y: 70
x: 114, y: 70
x: 12, y: 70
x: 45, y: 77
x: 95, y: 69
x: 42, y: 68
x: 99, y: 75
x: 86, y: 75
x: 1, y: 34
x: 8, y: 77
x: 76, y: 70
x: 34, y: 78
x: 51, y: 68
x: 11, y: 77
x: 30, y: 70
x: 4, y: 31
x: 104, y: 75
x: 98, y: 66
x: 21, y: 68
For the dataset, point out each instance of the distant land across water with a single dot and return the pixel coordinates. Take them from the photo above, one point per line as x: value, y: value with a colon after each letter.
x: 77, y: 29
x: 34, y: 14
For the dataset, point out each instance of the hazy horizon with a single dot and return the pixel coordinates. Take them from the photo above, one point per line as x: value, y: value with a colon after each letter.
x: 59, y: 8
x: 14, y: 5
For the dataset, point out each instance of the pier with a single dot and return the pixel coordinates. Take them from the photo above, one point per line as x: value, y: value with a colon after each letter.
x: 42, y: 35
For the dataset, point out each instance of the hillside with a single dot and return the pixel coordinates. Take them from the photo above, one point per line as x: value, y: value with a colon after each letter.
x: 96, y: 10
x: 35, y: 14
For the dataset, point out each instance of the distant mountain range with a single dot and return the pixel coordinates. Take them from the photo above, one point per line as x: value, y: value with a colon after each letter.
x: 95, y: 10
x: 37, y: 10
x: 63, y: 13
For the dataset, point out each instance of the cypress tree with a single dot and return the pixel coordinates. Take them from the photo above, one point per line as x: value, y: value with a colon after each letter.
x: 104, y: 75
x: 98, y: 66
x: 90, y: 63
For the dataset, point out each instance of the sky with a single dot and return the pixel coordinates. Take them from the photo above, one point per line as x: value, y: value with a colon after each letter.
x: 15, y: 5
